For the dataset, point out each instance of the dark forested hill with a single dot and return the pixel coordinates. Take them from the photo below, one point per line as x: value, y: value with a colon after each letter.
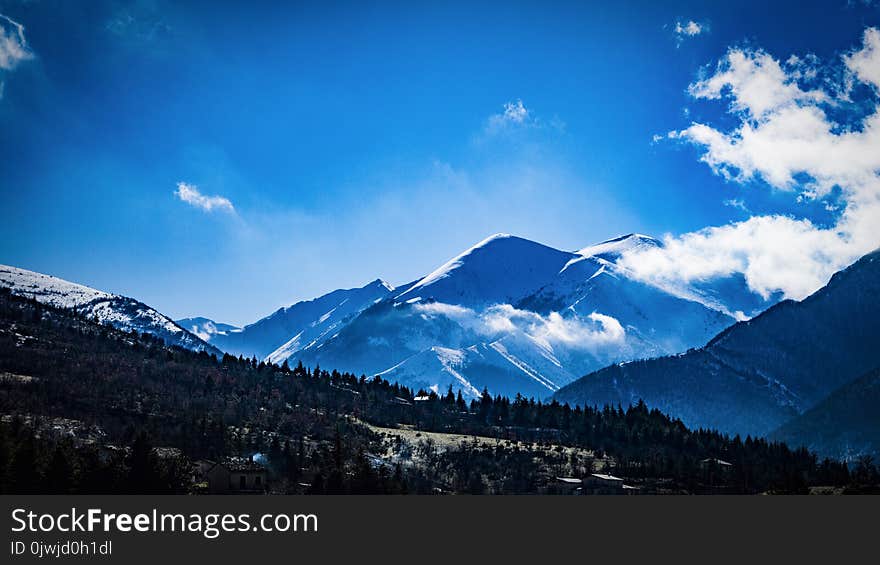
x: 757, y: 375
x: 845, y: 426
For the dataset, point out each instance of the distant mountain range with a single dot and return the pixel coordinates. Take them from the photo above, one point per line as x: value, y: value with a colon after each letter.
x: 508, y: 314
x: 517, y: 317
x: 103, y: 307
x: 776, y: 370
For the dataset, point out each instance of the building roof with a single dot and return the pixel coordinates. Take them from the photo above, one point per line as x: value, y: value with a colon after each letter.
x: 606, y: 477
x: 569, y: 480
x: 717, y: 462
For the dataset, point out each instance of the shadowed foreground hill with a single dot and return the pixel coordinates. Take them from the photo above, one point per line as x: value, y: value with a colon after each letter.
x: 758, y: 374
x: 845, y: 426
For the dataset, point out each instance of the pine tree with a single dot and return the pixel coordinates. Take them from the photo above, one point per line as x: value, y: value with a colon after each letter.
x: 60, y: 473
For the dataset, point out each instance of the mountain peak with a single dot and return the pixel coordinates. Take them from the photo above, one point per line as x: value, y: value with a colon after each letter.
x: 613, y: 248
x: 493, y: 237
x: 498, y: 269
x: 380, y: 283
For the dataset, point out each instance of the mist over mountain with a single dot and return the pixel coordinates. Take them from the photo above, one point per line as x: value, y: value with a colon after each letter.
x: 206, y: 328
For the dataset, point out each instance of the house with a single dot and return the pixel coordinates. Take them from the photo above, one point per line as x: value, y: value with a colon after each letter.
x: 567, y: 485
x: 715, y: 470
x: 599, y: 483
x: 715, y: 463
x: 234, y: 475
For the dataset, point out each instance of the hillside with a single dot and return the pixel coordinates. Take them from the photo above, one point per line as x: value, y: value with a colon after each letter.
x: 121, y: 312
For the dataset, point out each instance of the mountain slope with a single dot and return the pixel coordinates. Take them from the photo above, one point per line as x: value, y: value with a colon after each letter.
x: 758, y: 374
x: 297, y: 326
x: 844, y: 426
x: 103, y: 307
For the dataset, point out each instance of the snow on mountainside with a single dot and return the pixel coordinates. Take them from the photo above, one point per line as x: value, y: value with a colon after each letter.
x: 118, y: 311
x: 206, y: 328
x: 515, y: 316
x: 301, y: 325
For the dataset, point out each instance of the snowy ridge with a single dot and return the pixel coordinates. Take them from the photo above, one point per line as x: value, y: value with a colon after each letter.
x: 302, y: 325
x: 118, y: 311
x: 48, y: 289
x: 446, y: 268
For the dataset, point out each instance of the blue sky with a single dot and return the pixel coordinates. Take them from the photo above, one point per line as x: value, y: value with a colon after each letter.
x: 344, y: 142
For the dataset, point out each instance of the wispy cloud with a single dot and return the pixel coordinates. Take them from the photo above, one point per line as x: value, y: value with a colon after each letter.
x: 737, y: 203
x: 785, y: 139
x: 13, y: 47
x: 515, y: 117
x: 514, y: 112
x: 191, y: 195
x: 684, y: 29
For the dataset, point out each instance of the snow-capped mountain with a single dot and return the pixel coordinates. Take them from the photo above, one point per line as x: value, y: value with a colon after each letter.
x: 513, y: 316
x: 103, y: 307
x: 301, y: 325
x: 206, y: 328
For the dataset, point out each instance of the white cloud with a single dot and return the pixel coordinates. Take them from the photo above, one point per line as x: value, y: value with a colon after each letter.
x: 755, y: 82
x: 687, y: 29
x: 13, y: 47
x: 449, y: 310
x: 785, y: 138
x: 516, y: 118
x: 514, y: 114
x: 190, y: 194
x: 596, y: 331
x: 865, y: 63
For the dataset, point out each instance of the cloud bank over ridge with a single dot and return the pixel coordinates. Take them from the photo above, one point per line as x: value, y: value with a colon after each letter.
x: 794, y: 132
